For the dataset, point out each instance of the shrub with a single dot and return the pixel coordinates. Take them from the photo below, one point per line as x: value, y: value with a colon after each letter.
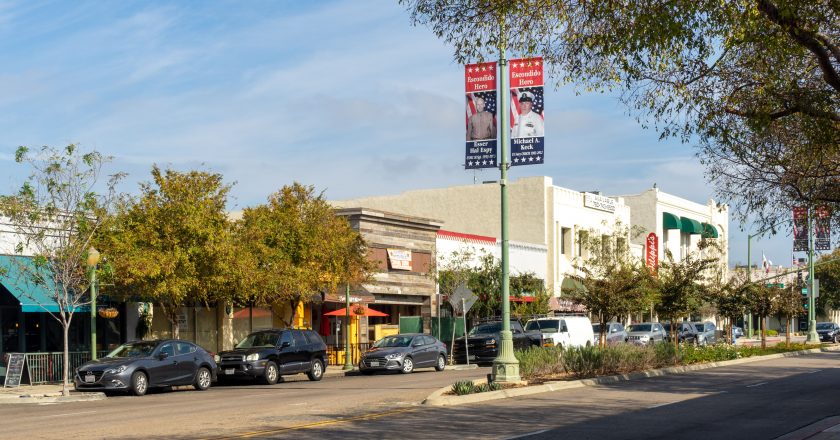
x: 540, y: 362
x: 463, y: 387
x: 771, y: 333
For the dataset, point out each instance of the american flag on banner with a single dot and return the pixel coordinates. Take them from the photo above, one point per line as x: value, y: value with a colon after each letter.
x: 489, y: 103
x: 514, y: 103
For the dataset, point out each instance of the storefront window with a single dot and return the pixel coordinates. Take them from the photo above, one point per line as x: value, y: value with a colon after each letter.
x: 10, y: 327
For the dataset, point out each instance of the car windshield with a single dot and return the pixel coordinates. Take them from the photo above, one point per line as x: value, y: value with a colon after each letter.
x: 543, y: 325
x: 133, y: 350
x: 640, y: 328
x: 260, y: 339
x: 490, y: 327
x: 702, y: 327
x: 824, y: 326
x: 596, y: 328
x: 393, y: 341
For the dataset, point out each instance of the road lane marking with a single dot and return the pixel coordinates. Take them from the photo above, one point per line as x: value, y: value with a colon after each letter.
x: 757, y: 384
x: 314, y: 424
x: 811, y: 372
x: 528, y: 434
x: 70, y: 414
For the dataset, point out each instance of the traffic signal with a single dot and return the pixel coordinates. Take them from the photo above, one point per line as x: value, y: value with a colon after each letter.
x: 799, y: 277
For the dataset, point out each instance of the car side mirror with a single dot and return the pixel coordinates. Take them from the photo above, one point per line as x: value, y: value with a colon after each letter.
x: 163, y: 355
x: 285, y: 344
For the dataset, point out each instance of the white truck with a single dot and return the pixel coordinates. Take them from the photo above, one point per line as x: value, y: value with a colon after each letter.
x: 563, y: 331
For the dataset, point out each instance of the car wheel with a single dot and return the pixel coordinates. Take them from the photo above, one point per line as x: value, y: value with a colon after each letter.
x: 139, y: 383
x: 408, y: 366
x: 316, y: 372
x: 271, y: 373
x: 441, y: 363
x: 837, y: 339
x: 203, y: 379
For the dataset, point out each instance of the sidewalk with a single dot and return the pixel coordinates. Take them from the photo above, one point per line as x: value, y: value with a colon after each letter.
x: 826, y: 429
x: 51, y: 393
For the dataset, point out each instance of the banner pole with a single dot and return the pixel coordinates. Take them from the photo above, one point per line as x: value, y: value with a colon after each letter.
x: 813, y: 337
x: 505, y: 366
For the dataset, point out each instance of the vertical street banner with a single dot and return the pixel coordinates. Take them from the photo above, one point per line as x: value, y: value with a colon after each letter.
x: 652, y: 252
x: 527, y: 121
x: 800, y: 229
x: 481, y: 115
x: 822, y: 229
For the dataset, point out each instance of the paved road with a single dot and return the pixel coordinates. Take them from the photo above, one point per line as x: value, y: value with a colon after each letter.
x: 226, y: 410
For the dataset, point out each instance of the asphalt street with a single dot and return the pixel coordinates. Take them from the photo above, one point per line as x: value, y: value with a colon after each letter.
x: 760, y: 400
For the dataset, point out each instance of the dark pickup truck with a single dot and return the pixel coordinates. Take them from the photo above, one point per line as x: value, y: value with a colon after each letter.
x: 484, y: 340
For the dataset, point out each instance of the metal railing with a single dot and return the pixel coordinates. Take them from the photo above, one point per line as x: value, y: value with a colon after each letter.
x: 48, y: 367
x: 335, y: 353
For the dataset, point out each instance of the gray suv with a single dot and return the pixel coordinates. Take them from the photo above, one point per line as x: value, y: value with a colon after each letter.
x: 615, y: 333
x: 645, y: 333
x: 706, y: 333
x: 269, y: 354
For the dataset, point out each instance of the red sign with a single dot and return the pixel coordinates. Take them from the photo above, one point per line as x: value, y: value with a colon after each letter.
x: 480, y: 77
x: 526, y: 72
x: 652, y: 252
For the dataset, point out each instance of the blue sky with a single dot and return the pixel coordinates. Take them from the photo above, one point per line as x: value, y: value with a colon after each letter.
x: 343, y: 95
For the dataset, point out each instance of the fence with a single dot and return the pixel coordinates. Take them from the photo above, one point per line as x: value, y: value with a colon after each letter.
x: 48, y: 367
x: 335, y: 353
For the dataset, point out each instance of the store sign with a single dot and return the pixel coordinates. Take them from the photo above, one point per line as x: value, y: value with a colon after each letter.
x: 527, y: 119
x: 597, y: 201
x: 480, y: 115
x: 652, y: 252
x: 400, y: 259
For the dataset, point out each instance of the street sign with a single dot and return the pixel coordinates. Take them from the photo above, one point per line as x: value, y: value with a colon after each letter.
x: 462, y: 293
x: 778, y: 285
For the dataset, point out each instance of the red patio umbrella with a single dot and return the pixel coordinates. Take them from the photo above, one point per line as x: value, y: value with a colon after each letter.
x: 353, y: 310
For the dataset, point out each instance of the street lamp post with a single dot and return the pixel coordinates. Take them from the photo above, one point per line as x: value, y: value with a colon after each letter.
x: 813, y: 337
x: 92, y: 261
x: 347, y: 364
x: 505, y: 366
x: 749, y: 270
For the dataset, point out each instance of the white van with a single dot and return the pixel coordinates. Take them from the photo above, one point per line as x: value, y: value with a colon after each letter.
x: 563, y: 331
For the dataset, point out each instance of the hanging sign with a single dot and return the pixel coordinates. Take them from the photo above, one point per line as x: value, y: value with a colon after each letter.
x: 14, y: 370
x: 800, y: 229
x: 652, y: 252
x: 822, y: 229
x: 400, y: 259
x: 481, y: 115
x: 527, y: 134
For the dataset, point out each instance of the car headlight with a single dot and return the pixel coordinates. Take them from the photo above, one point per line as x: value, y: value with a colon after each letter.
x: 490, y: 342
x: 394, y: 356
x: 117, y: 370
x: 252, y: 357
x: 217, y: 358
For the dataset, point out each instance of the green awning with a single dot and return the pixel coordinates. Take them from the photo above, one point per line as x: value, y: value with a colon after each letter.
x: 690, y: 226
x: 16, y: 276
x: 709, y: 231
x: 571, y: 285
x: 670, y: 221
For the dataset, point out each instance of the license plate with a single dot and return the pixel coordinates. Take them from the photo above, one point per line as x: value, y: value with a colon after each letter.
x: 374, y: 364
x: 229, y: 371
x: 89, y: 378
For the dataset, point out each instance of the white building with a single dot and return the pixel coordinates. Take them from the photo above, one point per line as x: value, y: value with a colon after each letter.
x: 524, y: 257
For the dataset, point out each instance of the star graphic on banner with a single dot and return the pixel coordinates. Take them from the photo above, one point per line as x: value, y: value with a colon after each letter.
x: 470, y: 163
x: 491, y: 67
x: 530, y: 159
x: 516, y: 159
x: 469, y: 70
x: 539, y: 158
x: 483, y: 68
x: 537, y: 63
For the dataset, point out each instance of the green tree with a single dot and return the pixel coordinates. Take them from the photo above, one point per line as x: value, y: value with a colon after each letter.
x: 613, y: 284
x: 683, y: 286
x: 486, y: 282
x: 789, y: 304
x: 755, y: 82
x: 173, y: 245
x: 762, y: 303
x: 54, y: 217
x: 529, y: 285
x: 731, y: 300
x: 297, y: 247
x: 450, y: 272
x: 828, y: 272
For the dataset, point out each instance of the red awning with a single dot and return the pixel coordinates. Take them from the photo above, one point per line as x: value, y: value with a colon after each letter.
x: 522, y: 299
x: 353, y: 310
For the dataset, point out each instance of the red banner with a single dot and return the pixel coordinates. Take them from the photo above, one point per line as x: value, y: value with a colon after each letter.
x: 526, y: 72
x: 652, y: 252
x: 480, y: 77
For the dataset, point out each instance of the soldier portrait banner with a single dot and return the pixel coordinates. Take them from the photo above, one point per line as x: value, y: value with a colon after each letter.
x: 527, y: 119
x: 481, y: 124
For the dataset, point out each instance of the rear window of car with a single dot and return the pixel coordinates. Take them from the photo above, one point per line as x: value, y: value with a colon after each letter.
x: 300, y: 340
x: 184, y: 348
x: 313, y: 337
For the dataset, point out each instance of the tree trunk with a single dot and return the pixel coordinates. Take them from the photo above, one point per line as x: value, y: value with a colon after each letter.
x: 761, y: 328
x: 675, y: 335
x: 174, y: 328
x: 787, y: 330
x: 65, y: 386
x: 602, y: 335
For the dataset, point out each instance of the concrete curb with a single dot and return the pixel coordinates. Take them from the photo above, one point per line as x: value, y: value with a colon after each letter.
x: 13, y: 399
x: 438, y: 398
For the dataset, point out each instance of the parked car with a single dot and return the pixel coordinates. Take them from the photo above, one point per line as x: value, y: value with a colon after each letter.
x: 645, y: 333
x: 269, y: 354
x: 829, y: 332
x: 484, y: 339
x: 616, y: 334
x: 686, y: 332
x: 739, y: 332
x: 404, y: 352
x: 706, y: 333
x: 563, y: 331
x: 137, y: 366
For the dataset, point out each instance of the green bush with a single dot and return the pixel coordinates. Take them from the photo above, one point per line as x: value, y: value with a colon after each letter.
x: 463, y: 387
x: 540, y: 362
x: 771, y: 333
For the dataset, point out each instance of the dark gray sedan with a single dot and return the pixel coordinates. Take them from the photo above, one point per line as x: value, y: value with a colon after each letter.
x: 404, y: 353
x: 137, y: 366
